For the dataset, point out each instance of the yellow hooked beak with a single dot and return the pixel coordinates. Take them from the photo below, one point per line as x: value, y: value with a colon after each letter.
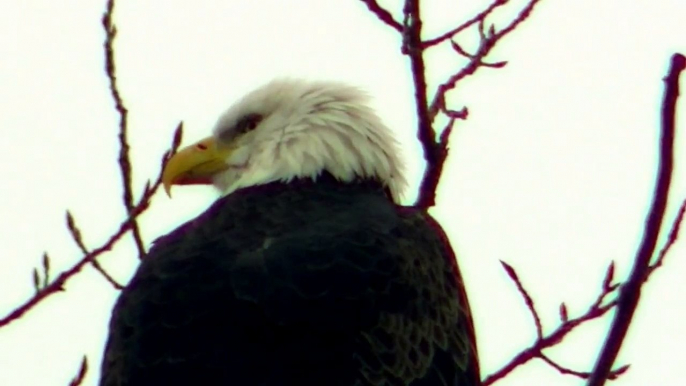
x: 195, y: 164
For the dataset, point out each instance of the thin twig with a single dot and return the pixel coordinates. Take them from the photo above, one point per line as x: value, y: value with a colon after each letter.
x: 631, y: 291
x: 83, y: 369
x: 487, y: 43
x: 562, y: 369
x: 124, y: 158
x: 527, y: 298
x: 76, y: 236
x: 521, y: 17
x: 671, y: 239
x: 614, y: 374
x: 57, y: 284
x: 435, y: 152
x: 457, y: 48
x: 46, y: 269
x: 476, y: 19
x: 594, y: 311
x: 383, y: 14
x: 412, y: 47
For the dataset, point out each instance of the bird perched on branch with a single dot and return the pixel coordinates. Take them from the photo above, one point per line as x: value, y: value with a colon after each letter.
x: 307, y: 271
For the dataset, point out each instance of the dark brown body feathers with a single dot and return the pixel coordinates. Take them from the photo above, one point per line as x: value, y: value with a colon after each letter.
x: 302, y: 284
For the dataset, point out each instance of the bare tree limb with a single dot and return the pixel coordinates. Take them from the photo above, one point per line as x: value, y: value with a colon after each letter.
x: 124, y: 158
x: 83, y: 369
x: 435, y: 152
x: 579, y: 374
x: 488, y: 42
x: 412, y: 47
x: 527, y: 298
x: 457, y: 48
x: 57, y: 285
x: 76, y: 236
x: 631, y: 290
x: 608, y: 287
x: 476, y: 19
x: 596, y: 310
x: 383, y: 14
x: 671, y: 238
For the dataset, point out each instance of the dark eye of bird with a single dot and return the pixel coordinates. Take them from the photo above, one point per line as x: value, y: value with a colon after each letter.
x: 248, y: 123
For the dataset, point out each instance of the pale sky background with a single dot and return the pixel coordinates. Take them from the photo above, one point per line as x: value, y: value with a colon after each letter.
x: 552, y: 172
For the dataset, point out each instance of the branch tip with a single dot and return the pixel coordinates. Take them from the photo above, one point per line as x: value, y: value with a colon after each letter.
x: 81, y: 375
x: 564, y: 315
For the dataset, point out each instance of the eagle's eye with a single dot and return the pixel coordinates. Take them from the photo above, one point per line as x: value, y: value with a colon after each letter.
x: 247, y: 123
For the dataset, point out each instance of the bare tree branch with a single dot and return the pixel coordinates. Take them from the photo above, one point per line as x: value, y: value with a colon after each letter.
x: 580, y: 374
x: 527, y: 298
x: 457, y: 48
x: 631, y: 290
x: 596, y: 310
x: 124, y: 158
x: 488, y: 42
x: 476, y: 19
x: 83, y: 369
x: 671, y: 238
x: 624, y: 296
x: 57, y: 285
x: 412, y: 47
x: 76, y: 236
x: 383, y: 14
x: 436, y: 151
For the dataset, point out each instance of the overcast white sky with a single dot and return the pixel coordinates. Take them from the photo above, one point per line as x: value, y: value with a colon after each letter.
x: 552, y: 172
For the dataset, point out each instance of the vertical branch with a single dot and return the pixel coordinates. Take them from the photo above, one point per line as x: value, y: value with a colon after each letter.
x: 412, y: 47
x: 124, y: 158
x: 631, y: 291
x: 436, y: 149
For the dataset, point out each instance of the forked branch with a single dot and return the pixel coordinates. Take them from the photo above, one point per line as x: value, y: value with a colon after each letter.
x: 626, y: 295
x: 57, y: 284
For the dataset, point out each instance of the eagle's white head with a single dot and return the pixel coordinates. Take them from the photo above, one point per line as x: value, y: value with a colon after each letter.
x: 290, y: 129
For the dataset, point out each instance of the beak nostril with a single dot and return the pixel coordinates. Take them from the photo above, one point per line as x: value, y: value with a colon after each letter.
x: 201, y: 146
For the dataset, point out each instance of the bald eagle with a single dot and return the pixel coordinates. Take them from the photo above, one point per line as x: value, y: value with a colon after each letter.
x: 307, y: 271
